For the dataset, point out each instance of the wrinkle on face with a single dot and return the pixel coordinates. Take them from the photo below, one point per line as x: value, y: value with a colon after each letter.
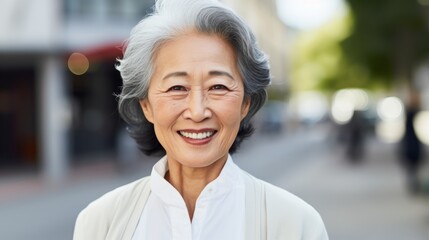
x: 202, y: 70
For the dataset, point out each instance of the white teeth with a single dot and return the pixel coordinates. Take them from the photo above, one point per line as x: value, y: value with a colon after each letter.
x: 200, y: 135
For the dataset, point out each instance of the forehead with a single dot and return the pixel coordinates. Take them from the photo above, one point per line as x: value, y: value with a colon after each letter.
x: 195, y: 46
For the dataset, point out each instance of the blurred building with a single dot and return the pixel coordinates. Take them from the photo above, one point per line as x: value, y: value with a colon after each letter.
x: 57, y: 76
x: 55, y: 110
x: 272, y: 34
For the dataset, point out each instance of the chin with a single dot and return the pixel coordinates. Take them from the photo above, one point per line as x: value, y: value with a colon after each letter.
x: 200, y: 160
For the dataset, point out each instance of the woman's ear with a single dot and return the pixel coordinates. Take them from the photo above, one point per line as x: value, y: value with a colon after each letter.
x: 147, y: 109
x: 245, y: 108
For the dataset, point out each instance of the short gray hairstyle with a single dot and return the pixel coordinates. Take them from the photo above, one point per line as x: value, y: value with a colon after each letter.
x: 170, y: 19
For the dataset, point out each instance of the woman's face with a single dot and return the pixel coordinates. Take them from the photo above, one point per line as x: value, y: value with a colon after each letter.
x: 195, y: 99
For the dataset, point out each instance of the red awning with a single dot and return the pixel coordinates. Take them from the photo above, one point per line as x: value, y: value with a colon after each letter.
x: 109, y: 51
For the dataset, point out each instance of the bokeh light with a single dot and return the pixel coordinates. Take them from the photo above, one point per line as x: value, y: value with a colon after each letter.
x: 342, y: 112
x: 78, y: 63
x: 390, y: 131
x: 421, y: 126
x: 390, y: 109
x: 311, y: 106
x: 391, y: 113
x: 346, y: 101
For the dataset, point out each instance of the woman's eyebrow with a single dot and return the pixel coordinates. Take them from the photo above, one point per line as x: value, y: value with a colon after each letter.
x: 175, y: 74
x: 211, y: 73
x: 221, y: 73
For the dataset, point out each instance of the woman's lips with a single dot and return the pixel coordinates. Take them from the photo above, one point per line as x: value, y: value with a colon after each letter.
x: 197, y: 137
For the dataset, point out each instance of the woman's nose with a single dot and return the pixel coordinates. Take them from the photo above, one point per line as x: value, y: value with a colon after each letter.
x: 197, y: 109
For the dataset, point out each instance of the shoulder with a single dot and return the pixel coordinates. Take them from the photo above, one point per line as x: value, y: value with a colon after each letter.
x: 287, y: 211
x: 97, y: 217
x: 287, y: 201
x: 114, y: 198
x: 290, y: 216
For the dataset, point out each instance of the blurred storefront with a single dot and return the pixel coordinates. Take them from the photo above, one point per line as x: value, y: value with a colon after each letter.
x: 18, y: 143
x: 52, y: 116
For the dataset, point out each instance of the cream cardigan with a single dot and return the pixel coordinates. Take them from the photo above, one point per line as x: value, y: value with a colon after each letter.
x: 271, y: 213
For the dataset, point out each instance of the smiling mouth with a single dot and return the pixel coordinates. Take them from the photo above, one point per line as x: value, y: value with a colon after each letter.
x: 197, y: 136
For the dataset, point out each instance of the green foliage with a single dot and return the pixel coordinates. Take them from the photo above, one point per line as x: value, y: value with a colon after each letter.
x: 375, y: 45
x: 318, y: 59
x: 388, y: 39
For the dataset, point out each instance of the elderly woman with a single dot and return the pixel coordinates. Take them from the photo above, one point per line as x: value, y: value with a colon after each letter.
x: 193, y: 77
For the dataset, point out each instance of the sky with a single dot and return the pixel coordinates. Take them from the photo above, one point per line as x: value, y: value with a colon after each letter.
x: 308, y: 14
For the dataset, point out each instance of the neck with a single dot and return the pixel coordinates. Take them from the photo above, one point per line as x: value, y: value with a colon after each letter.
x: 190, y: 182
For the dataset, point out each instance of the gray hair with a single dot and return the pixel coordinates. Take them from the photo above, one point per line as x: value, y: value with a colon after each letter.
x: 172, y: 18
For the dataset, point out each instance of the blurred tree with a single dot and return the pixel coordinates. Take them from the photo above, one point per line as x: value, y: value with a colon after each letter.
x: 388, y: 39
x: 317, y: 59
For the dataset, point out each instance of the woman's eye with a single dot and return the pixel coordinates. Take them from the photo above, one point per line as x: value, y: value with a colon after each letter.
x: 177, y: 88
x: 219, y: 87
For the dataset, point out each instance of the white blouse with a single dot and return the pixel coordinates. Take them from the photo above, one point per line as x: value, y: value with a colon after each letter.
x: 219, y: 211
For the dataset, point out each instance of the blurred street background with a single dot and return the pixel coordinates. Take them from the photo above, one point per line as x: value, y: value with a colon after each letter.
x: 346, y: 125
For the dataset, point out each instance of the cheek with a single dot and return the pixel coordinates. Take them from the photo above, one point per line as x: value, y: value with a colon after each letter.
x: 165, y: 110
x: 230, y: 110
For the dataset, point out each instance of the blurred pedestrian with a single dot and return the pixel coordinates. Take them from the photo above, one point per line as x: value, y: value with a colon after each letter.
x: 355, y: 137
x: 193, y: 77
x: 411, y: 147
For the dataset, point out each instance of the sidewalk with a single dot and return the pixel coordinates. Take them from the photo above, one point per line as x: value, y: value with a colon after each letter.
x: 30, y: 184
x: 362, y: 201
x: 48, y: 210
